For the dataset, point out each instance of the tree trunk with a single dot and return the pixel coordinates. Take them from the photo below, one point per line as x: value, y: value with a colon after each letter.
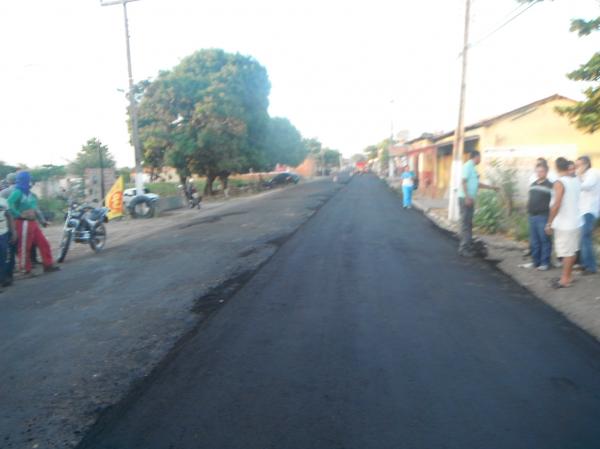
x: 208, y: 188
x: 224, y: 178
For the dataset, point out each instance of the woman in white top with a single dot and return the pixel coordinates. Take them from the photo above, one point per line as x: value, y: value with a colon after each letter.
x: 565, y: 221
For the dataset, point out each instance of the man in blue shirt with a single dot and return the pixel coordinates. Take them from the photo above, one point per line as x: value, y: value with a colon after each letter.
x: 467, y: 194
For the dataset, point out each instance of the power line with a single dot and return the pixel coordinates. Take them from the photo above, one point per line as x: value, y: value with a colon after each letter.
x: 504, y: 24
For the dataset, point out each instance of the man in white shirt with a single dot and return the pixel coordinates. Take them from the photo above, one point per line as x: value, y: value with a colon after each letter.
x: 589, y: 207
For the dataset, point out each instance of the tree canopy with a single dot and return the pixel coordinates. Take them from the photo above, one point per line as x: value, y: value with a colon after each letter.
x: 48, y: 171
x: 585, y: 114
x: 207, y: 116
x: 284, y: 144
x: 93, y: 154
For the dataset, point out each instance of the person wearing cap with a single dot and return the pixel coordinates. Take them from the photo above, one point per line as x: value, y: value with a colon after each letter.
x: 23, y: 204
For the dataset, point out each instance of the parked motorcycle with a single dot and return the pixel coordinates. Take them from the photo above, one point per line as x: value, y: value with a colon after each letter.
x: 84, y: 224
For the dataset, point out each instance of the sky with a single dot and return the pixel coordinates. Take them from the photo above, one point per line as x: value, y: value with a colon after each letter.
x: 345, y: 72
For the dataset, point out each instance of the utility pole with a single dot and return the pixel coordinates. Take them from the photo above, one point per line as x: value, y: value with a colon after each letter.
x: 389, y: 167
x: 133, y: 112
x: 459, y: 135
x: 101, y: 160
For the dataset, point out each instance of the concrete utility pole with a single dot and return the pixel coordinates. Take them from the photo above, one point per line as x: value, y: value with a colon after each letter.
x: 133, y: 112
x: 459, y: 135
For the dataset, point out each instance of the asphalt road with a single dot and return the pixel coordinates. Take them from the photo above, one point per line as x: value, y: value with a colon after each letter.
x: 367, y: 331
x: 74, y: 342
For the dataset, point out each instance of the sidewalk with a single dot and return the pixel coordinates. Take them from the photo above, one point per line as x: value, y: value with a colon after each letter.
x: 580, y: 303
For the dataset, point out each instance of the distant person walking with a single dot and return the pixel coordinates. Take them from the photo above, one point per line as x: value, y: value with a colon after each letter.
x: 408, y: 185
x: 589, y: 207
x: 23, y: 204
x: 467, y: 194
x: 565, y: 221
x: 538, y: 208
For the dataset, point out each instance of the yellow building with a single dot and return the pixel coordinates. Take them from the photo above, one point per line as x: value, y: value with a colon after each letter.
x: 516, y: 138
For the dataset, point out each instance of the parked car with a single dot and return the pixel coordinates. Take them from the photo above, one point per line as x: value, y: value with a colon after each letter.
x: 282, y: 179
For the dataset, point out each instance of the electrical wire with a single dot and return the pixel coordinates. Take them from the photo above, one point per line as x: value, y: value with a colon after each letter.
x: 504, y: 24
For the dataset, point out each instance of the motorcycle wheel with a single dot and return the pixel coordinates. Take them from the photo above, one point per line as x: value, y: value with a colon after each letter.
x: 64, y: 246
x: 98, y: 240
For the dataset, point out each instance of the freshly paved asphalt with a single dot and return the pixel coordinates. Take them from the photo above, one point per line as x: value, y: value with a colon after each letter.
x: 367, y: 331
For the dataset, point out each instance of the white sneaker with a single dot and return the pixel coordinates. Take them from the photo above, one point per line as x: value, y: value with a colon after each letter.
x: 543, y: 268
x: 526, y: 265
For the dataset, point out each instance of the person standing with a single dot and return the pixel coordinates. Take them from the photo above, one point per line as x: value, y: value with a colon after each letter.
x: 12, y: 246
x: 7, y: 238
x: 538, y: 208
x: 467, y: 194
x: 589, y: 205
x: 22, y: 205
x: 564, y: 221
x: 408, y: 184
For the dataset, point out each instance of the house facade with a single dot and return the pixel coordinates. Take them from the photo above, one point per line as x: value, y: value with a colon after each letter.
x: 514, y: 139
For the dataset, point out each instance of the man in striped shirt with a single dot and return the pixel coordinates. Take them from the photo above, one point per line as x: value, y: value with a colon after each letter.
x: 538, y: 208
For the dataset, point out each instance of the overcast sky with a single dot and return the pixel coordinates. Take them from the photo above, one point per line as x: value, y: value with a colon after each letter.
x: 334, y: 65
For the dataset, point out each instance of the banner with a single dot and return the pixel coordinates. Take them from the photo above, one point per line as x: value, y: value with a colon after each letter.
x: 114, y: 199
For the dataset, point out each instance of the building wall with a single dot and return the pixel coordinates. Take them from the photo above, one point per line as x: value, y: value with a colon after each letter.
x: 519, y: 140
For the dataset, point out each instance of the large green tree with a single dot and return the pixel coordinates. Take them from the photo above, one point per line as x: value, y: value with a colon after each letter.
x: 94, y: 154
x: 207, y: 116
x: 585, y: 114
x: 284, y: 144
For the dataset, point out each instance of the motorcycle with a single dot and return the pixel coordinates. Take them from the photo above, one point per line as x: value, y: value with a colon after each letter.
x: 84, y: 224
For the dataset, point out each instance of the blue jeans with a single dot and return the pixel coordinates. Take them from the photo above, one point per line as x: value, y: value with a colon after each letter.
x: 407, y: 196
x: 4, y: 258
x: 587, y: 257
x: 539, y: 241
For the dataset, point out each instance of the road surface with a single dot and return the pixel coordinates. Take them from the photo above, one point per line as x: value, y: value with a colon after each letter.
x: 73, y: 342
x: 366, y: 331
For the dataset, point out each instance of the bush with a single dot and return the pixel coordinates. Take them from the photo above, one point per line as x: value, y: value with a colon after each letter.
x: 489, y: 212
x: 53, y: 208
x: 520, y: 226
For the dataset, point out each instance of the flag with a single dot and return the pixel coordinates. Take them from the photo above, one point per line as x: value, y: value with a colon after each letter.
x: 114, y: 199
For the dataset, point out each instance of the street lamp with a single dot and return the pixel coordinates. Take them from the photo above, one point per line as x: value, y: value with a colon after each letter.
x: 133, y: 112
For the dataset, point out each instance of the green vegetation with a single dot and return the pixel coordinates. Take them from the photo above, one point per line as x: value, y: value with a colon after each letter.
x: 585, y: 114
x: 92, y: 155
x: 489, y: 215
x: 54, y: 206
x: 207, y: 116
x: 163, y: 188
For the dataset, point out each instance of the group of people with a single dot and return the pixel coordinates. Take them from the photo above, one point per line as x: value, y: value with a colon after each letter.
x: 20, y: 233
x: 563, y: 210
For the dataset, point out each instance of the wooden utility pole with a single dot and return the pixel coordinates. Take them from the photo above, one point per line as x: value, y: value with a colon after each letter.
x: 133, y: 111
x: 459, y: 135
